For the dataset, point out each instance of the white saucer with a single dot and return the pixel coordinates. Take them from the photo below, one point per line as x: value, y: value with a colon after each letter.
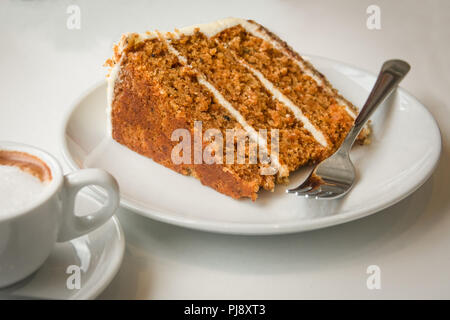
x: 405, y: 149
x: 98, y: 255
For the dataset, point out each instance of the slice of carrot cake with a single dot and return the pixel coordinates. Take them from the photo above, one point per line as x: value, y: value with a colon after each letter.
x: 226, y: 102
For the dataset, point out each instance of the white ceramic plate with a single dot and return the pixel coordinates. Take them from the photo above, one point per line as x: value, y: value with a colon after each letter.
x: 405, y: 149
x: 98, y: 254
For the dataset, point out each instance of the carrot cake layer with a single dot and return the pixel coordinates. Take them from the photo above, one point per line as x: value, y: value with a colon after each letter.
x: 230, y: 90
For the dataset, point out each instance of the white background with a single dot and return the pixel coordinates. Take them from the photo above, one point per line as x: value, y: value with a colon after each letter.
x: 45, y: 67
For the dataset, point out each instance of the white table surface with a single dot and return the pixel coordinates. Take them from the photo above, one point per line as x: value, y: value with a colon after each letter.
x: 45, y: 66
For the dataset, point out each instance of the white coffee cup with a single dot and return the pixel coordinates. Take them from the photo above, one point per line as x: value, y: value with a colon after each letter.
x: 27, y: 236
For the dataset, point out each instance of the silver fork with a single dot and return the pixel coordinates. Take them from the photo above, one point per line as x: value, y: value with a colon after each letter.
x: 334, y: 177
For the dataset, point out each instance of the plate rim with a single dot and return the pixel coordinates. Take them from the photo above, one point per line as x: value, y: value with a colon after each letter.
x: 256, y: 229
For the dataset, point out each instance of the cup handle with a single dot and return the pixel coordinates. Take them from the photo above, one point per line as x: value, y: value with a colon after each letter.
x: 73, y: 226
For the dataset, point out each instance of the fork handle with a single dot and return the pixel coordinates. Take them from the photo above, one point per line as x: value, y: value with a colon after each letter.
x: 391, y: 73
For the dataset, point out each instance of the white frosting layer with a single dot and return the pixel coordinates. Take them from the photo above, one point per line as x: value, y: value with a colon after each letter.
x: 110, y: 94
x: 276, y: 94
